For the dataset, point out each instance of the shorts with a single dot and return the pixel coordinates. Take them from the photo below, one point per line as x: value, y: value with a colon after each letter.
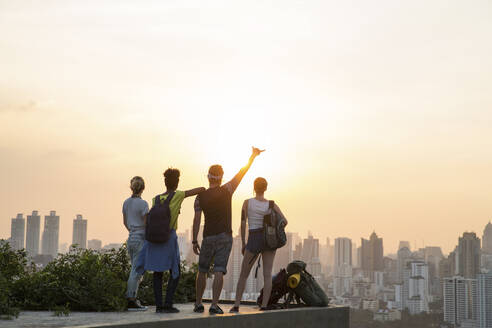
x: 215, y: 250
x: 256, y: 242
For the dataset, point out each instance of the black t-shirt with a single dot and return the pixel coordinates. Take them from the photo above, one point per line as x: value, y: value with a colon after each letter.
x: 216, y: 206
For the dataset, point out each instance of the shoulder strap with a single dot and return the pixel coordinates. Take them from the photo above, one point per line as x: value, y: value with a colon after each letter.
x: 170, y: 197
x: 271, y: 203
x: 157, y: 200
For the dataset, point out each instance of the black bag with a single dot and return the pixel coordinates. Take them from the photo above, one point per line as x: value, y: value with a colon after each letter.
x: 274, y: 229
x: 158, y: 229
x: 308, y: 289
x: 279, y: 288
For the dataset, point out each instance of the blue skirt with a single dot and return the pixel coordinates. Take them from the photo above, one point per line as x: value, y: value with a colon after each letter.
x: 256, y: 241
x: 160, y: 257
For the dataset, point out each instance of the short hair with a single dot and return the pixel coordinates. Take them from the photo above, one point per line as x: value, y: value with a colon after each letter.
x: 137, y: 185
x: 215, y: 171
x: 171, y: 178
x: 260, y: 185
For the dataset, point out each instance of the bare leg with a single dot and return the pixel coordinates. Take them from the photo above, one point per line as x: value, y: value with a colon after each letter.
x: 217, y: 287
x: 201, y: 283
x: 268, y: 257
x: 246, y: 266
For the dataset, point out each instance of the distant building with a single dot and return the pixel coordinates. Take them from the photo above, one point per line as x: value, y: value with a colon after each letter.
x: 404, y: 256
x: 370, y: 304
x: 415, y: 288
x: 404, y: 243
x: 94, y: 244
x: 51, y: 234
x: 342, y: 281
x: 372, y: 254
x: 310, y: 255
x: 33, y: 233
x: 487, y: 239
x: 79, y: 236
x: 387, y: 315
x: 484, y: 303
x: 459, y: 300
x: 17, y: 231
x: 111, y: 246
x: 284, y: 254
x: 469, y: 255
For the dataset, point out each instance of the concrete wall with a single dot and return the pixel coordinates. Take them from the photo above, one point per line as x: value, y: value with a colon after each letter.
x: 333, y: 317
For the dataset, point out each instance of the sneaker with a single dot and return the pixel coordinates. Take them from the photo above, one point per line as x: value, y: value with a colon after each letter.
x: 234, y: 309
x: 169, y: 309
x: 134, y: 305
x: 198, y: 308
x: 215, y: 309
x: 268, y: 308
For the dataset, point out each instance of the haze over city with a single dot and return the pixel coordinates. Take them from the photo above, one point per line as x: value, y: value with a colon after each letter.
x: 375, y: 116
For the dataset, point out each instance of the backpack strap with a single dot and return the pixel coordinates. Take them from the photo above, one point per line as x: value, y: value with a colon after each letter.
x: 157, y: 199
x: 271, y: 204
x: 170, y: 197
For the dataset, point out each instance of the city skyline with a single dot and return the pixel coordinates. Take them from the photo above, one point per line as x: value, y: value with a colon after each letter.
x: 370, y: 121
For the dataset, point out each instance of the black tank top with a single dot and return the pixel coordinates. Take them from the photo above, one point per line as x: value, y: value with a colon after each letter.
x: 216, y: 206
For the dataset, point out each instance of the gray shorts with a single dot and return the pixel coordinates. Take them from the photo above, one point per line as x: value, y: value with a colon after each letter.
x: 215, y: 250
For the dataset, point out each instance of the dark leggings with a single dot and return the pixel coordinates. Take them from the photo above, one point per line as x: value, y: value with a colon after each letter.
x: 172, y: 284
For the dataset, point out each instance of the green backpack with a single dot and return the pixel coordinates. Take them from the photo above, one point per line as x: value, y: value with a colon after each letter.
x: 308, y: 289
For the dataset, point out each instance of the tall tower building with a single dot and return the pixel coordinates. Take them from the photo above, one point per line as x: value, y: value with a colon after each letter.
x: 79, y: 236
x: 33, y: 232
x: 487, y: 239
x: 404, y: 243
x: 372, y: 254
x: 459, y: 299
x: 50, y: 234
x: 17, y: 230
x: 469, y: 255
x: 484, y: 303
x: 310, y: 255
x: 342, y: 282
x: 415, y: 293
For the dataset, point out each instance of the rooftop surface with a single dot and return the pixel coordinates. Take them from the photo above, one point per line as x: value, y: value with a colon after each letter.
x: 186, y: 318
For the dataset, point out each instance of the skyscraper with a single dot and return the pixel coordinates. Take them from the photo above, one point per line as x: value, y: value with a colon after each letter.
x: 310, y: 255
x: 416, y: 287
x: 403, y: 257
x: 33, y: 232
x: 342, y: 282
x: 372, y: 254
x: 17, y: 230
x: 459, y: 299
x: 79, y: 236
x: 487, y: 239
x: 469, y: 255
x: 484, y: 303
x: 404, y: 243
x: 50, y: 234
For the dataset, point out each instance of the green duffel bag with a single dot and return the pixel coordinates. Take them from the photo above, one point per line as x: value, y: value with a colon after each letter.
x: 308, y: 289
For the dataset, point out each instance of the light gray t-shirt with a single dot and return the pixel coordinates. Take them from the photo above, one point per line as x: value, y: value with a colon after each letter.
x: 134, y: 210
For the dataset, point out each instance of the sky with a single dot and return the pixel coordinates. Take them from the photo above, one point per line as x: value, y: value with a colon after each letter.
x: 375, y: 115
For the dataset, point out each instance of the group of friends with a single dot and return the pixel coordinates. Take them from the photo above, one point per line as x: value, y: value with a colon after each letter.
x: 216, y: 245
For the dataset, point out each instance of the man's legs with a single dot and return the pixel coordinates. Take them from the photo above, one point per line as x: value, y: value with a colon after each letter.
x: 201, y: 283
x: 217, y: 287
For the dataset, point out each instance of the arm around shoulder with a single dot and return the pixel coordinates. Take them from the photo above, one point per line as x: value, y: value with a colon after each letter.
x: 195, y: 191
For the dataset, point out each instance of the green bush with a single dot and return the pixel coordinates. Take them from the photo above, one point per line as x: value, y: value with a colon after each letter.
x: 81, y: 280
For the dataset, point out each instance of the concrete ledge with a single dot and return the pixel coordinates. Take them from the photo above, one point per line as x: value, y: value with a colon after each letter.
x: 331, y: 317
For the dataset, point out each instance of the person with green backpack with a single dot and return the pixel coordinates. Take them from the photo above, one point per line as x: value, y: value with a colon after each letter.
x: 256, y: 211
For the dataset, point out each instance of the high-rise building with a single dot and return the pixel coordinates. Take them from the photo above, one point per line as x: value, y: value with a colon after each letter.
x: 342, y: 282
x: 284, y: 255
x: 310, y: 255
x: 484, y: 302
x: 487, y: 239
x: 94, y: 244
x: 50, y: 234
x: 469, y: 255
x: 372, y: 254
x: 460, y: 297
x: 33, y: 233
x: 17, y: 230
x: 79, y: 236
x: 404, y: 255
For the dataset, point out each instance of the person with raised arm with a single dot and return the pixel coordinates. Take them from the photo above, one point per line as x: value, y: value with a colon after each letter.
x: 216, y: 246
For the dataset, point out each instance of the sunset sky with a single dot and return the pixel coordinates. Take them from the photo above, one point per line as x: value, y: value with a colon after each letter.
x: 375, y: 115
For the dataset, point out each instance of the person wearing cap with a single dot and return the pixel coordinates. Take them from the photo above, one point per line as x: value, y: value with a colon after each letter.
x: 216, y: 245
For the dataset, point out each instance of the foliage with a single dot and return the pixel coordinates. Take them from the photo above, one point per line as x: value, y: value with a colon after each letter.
x: 81, y: 280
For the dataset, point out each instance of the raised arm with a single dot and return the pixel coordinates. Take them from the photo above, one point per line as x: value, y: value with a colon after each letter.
x: 195, y: 191
x: 244, y: 216
x: 240, y: 175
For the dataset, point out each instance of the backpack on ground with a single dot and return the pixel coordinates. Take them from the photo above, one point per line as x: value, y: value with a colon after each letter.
x: 158, y: 227
x: 279, y: 288
x: 307, y: 288
x: 274, y: 228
